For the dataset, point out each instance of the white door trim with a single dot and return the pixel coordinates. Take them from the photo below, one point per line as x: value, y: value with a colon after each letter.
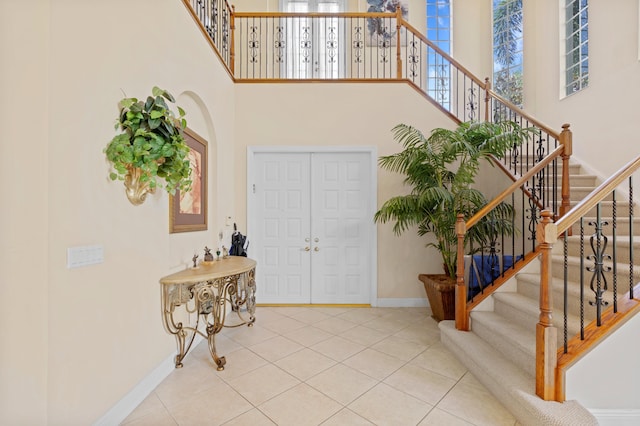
x: 373, y: 190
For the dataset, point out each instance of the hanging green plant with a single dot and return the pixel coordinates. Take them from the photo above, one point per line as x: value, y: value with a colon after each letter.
x: 150, y: 151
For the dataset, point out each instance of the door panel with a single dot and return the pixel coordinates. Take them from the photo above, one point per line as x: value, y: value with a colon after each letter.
x: 312, y: 238
x: 340, y: 261
x: 282, y: 191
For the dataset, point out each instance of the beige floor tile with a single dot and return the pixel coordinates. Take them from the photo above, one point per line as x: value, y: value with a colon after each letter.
x: 152, y: 408
x: 307, y: 336
x: 284, y: 325
x: 265, y: 315
x: 334, y: 310
x: 364, y: 335
x: 224, y: 346
x: 214, y: 406
x: 158, y: 417
x: 419, y: 334
x: 346, y: 417
x: 247, y: 336
x: 250, y: 418
x: 438, y: 417
x: 311, y: 316
x: 263, y: 383
x: 301, y: 405
x: 305, y: 363
x: 374, y: 363
x: 385, y: 325
x: 471, y: 380
x: 241, y: 362
x: 342, y: 383
x: 399, y: 348
x: 335, y: 325
x: 384, y: 405
x: 439, y: 359
x: 423, y: 384
x: 276, y: 348
x: 191, y: 379
x: 311, y: 353
x: 476, y: 406
x: 359, y: 316
x: 150, y: 404
x: 337, y: 348
x: 291, y: 311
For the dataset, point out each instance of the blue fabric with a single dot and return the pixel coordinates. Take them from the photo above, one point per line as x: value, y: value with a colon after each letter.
x: 485, y: 269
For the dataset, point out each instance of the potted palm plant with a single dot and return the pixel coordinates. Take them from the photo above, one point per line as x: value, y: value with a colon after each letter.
x: 150, y: 151
x: 440, y: 170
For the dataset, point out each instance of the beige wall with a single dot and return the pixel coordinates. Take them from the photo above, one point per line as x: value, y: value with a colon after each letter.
x: 603, y: 116
x: 77, y: 340
x: 343, y: 115
x: 24, y: 290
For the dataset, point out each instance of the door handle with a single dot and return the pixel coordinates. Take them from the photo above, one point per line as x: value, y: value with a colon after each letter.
x: 307, y: 248
x: 316, y: 249
x: 316, y: 239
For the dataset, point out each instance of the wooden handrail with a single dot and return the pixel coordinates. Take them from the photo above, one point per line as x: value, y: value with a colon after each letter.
x: 187, y: 4
x: 596, y: 196
x: 514, y: 178
x: 529, y: 118
x: 514, y: 186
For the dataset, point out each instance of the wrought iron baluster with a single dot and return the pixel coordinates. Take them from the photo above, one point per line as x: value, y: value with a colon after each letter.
x: 598, y: 242
x: 565, y: 303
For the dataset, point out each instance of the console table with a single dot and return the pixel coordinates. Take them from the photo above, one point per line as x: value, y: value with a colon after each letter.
x: 203, y: 295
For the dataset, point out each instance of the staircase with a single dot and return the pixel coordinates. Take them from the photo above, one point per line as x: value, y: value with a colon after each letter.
x: 500, y: 349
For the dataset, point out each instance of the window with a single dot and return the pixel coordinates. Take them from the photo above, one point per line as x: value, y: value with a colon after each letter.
x: 508, y: 50
x: 576, y: 45
x: 439, y: 32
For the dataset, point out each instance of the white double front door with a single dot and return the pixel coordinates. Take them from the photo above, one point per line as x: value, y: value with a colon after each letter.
x: 311, y: 226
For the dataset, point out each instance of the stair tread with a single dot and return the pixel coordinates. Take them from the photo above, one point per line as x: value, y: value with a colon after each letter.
x: 511, y: 385
x: 522, y: 338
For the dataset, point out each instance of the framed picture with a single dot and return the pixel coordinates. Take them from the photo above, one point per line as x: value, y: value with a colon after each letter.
x: 188, y: 209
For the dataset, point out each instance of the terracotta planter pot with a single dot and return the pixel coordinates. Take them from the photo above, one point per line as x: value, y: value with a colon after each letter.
x: 441, y: 292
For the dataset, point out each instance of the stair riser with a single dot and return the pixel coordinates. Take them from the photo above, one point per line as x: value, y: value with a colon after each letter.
x: 523, y: 359
x: 606, y: 209
x: 623, y: 253
x: 573, y: 271
x: 588, y: 181
x: 529, y: 322
x: 531, y: 290
x: 580, y: 193
x: 622, y: 226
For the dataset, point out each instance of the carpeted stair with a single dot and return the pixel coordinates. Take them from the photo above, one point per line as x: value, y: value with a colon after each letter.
x: 500, y: 349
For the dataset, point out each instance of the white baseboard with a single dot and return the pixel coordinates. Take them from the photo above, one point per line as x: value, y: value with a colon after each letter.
x: 402, y: 303
x: 131, y: 400
x: 617, y: 417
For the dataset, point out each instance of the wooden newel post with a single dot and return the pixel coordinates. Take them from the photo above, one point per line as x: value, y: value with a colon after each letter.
x: 546, y: 333
x: 398, y: 26
x: 566, y: 140
x: 487, y: 98
x: 462, y: 319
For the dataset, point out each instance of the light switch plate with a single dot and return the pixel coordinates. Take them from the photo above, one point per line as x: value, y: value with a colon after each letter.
x: 84, y: 256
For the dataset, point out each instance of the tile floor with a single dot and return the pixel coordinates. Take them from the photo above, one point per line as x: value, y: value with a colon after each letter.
x: 324, y: 366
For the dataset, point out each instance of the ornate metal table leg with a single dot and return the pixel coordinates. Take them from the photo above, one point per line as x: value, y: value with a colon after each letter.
x: 211, y: 340
x: 172, y: 297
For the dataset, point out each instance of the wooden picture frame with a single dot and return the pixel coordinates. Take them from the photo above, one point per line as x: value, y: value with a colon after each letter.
x: 188, y: 210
